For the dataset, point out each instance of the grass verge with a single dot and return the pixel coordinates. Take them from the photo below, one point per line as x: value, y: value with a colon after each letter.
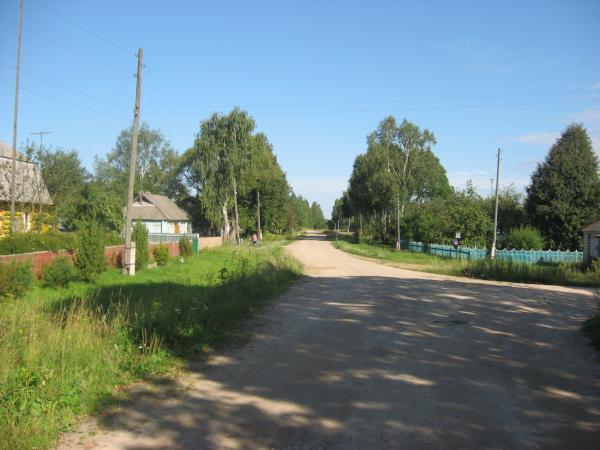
x: 499, y: 270
x: 65, y: 351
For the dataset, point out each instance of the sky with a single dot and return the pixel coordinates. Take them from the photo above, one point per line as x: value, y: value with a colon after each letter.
x: 316, y: 76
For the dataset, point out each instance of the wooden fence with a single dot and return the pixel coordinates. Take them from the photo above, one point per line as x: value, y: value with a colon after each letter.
x: 523, y: 256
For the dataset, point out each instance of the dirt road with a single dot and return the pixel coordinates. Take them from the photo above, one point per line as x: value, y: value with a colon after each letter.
x: 363, y: 356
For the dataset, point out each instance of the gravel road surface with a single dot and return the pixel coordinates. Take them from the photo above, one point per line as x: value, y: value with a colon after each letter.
x: 359, y: 355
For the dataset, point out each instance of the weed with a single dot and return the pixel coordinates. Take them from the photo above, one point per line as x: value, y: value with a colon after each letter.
x: 64, y: 351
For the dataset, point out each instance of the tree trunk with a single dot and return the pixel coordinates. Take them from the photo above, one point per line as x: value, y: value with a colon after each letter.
x: 258, y: 214
x: 226, y: 228
x: 398, y: 224
x: 237, y: 217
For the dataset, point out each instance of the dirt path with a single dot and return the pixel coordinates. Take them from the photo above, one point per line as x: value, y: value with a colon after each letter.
x: 359, y: 355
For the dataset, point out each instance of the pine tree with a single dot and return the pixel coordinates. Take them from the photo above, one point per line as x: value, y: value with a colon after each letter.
x: 564, y: 194
x: 140, y: 237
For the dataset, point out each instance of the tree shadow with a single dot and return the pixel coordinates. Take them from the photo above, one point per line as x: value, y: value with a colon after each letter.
x: 378, y: 362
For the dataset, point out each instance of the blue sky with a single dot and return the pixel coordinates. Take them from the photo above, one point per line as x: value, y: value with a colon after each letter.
x: 316, y: 76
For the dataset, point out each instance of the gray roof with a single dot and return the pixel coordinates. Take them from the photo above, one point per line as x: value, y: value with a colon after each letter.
x: 29, y: 183
x: 594, y: 226
x: 149, y: 206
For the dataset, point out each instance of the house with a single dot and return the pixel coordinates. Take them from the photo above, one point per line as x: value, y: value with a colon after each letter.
x: 591, y: 241
x: 31, y: 194
x: 160, y: 215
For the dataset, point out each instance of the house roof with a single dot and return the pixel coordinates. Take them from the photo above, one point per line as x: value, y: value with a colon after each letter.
x: 149, y: 206
x: 594, y: 226
x: 29, y: 183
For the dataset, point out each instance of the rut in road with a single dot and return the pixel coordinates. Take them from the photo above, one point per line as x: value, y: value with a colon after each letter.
x: 361, y: 355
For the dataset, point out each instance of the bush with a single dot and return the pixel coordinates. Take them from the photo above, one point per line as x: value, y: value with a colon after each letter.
x: 591, y: 327
x: 15, y: 279
x: 34, y: 242
x: 185, y: 248
x: 90, y: 260
x: 140, y: 236
x: 524, y: 238
x: 161, y: 254
x: 59, y: 273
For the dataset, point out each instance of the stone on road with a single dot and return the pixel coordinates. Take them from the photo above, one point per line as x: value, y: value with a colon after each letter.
x: 358, y: 355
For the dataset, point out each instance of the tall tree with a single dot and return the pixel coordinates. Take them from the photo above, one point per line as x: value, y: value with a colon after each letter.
x: 317, y: 217
x: 65, y: 179
x: 400, y: 148
x: 157, y: 164
x: 263, y: 181
x: 213, y: 167
x: 564, y: 194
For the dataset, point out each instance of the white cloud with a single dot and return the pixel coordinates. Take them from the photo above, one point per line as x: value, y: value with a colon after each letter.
x: 594, y: 86
x: 545, y: 139
x: 477, y: 56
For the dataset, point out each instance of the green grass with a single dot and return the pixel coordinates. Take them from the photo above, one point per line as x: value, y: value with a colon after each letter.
x: 591, y: 327
x: 65, y: 351
x: 499, y: 270
x: 403, y: 259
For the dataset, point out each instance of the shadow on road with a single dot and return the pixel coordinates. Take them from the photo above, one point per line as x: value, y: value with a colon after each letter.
x: 371, y: 362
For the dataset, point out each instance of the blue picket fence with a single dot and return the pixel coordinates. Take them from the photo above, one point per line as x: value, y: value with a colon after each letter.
x: 523, y: 256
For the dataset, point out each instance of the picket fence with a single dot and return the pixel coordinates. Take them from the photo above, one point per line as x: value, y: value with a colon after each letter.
x: 522, y: 256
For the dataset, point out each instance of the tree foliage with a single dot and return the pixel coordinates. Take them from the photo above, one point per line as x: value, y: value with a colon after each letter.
x: 65, y: 178
x: 157, y: 168
x: 564, y: 194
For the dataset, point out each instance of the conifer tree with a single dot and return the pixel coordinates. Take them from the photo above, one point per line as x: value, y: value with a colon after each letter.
x: 564, y: 194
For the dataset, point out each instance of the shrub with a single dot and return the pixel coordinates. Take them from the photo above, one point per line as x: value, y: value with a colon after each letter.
x: 526, y: 238
x: 15, y: 279
x: 591, y: 327
x: 90, y: 260
x: 140, y: 236
x: 35, y: 242
x: 185, y: 248
x: 161, y: 254
x: 59, y: 273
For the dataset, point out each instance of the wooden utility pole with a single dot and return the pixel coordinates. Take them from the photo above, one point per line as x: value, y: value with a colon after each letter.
x: 13, y: 176
x: 493, y: 251
x: 258, y: 214
x: 129, y: 251
x: 41, y: 135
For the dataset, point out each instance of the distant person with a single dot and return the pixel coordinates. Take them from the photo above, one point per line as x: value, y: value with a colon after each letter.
x: 254, y: 238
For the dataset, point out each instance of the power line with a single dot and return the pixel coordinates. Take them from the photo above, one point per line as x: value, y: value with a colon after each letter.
x: 164, y: 97
x: 112, y: 103
x: 388, y: 110
x: 53, y: 83
x: 50, y: 97
x: 407, y: 100
x: 81, y: 27
x: 56, y: 43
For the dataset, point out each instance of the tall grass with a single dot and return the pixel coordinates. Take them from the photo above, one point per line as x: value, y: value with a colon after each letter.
x: 64, y: 351
x: 502, y: 270
x: 497, y: 269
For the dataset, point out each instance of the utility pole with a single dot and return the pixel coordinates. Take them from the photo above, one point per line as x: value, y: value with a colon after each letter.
x: 493, y: 251
x: 41, y: 135
x: 129, y: 264
x: 258, y: 214
x: 491, y: 187
x: 13, y: 176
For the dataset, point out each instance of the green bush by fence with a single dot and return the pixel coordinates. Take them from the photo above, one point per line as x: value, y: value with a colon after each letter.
x: 185, y: 248
x: 161, y: 254
x: 15, y: 279
x: 59, y: 273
